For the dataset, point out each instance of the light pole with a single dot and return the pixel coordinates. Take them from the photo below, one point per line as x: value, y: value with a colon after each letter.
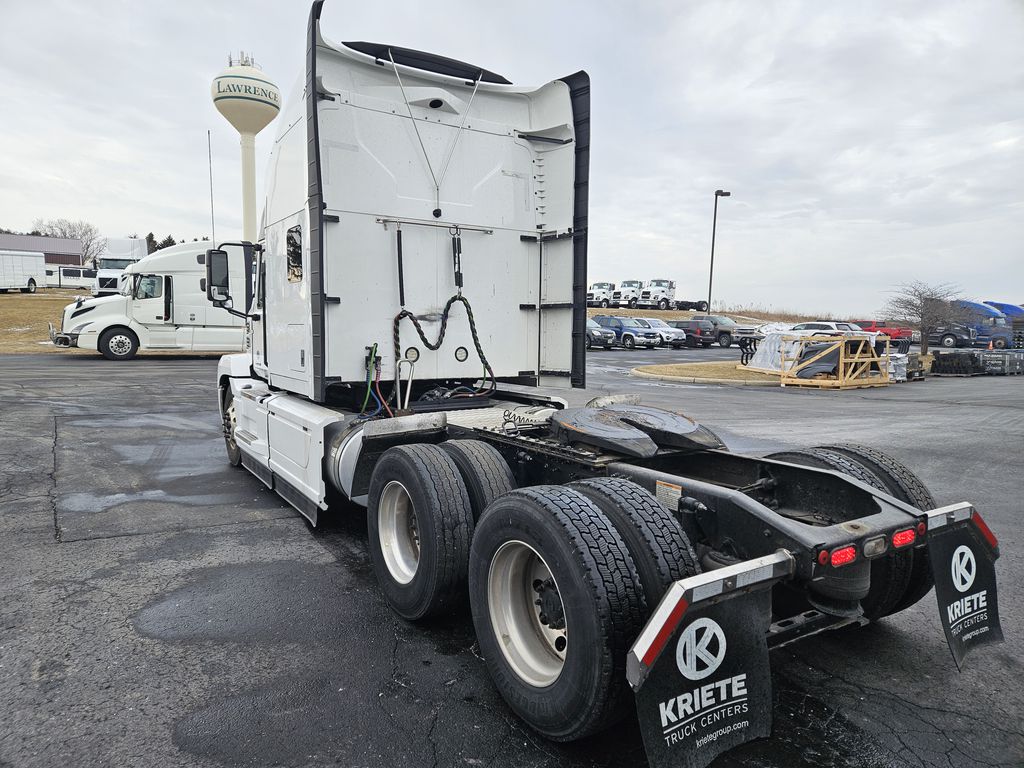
x: 714, y: 223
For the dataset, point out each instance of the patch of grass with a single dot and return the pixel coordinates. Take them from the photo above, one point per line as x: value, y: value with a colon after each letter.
x: 24, y: 318
x: 719, y: 369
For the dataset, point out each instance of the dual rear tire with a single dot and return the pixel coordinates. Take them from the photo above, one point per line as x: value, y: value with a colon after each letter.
x: 560, y: 578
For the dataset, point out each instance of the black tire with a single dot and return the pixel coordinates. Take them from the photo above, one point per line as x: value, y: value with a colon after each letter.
x: 604, y: 303
x: 118, y: 344
x: 660, y: 549
x: 628, y: 341
x: 588, y: 342
x: 948, y: 341
x: 230, y: 422
x: 702, y: 306
x: 30, y: 288
x: 890, y: 573
x: 902, y: 483
x: 999, y: 343
x: 706, y: 345
x: 442, y: 526
x: 725, y: 340
x: 632, y: 303
x: 486, y: 474
x: 663, y: 305
x: 598, y: 593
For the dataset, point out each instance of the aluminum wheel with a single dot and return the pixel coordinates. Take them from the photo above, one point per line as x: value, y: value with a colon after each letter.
x: 398, y: 531
x: 526, y: 613
x: 120, y: 344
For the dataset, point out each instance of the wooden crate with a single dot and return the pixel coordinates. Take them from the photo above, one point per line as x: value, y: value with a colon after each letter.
x: 858, y: 364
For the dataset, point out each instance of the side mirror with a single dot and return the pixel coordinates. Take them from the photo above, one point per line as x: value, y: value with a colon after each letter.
x: 217, y: 281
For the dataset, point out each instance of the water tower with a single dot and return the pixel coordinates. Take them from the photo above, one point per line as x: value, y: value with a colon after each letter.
x: 249, y: 101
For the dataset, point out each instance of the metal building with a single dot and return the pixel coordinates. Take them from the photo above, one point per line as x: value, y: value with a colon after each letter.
x: 58, y: 250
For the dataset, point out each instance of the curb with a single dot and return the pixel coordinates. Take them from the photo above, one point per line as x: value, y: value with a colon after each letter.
x: 699, y: 380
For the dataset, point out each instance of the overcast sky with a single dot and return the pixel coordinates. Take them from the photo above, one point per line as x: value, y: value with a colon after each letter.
x: 864, y: 144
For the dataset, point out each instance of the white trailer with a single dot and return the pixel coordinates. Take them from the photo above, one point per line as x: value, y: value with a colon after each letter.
x: 21, y: 270
x: 406, y: 189
x: 60, y: 276
x: 161, y: 304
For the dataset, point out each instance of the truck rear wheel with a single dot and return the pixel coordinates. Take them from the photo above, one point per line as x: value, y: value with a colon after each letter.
x: 119, y: 344
x: 483, y: 470
x: 702, y: 306
x: 725, y: 340
x: 660, y: 549
x: 890, y: 573
x: 30, y: 288
x: 556, y: 604
x: 419, y: 523
x: 900, y: 482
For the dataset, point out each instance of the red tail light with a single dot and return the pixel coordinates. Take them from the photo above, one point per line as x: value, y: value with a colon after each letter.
x: 904, y: 538
x: 922, y: 529
x: 843, y: 556
x: 984, y: 530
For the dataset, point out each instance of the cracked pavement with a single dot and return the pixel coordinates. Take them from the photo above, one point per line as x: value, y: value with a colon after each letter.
x: 162, y: 608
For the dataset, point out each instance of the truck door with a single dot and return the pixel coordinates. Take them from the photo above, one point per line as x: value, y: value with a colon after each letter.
x: 152, y: 308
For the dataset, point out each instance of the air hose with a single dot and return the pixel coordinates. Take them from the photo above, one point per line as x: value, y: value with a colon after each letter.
x: 434, y: 346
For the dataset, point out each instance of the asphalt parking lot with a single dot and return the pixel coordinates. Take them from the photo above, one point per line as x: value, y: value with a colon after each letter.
x: 161, y: 608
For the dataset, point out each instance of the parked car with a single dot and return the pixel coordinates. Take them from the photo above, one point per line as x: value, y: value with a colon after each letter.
x: 887, y: 327
x: 725, y: 328
x: 698, y: 332
x: 628, y: 332
x: 828, y: 326
x: 953, y: 335
x: 598, y: 336
x: 670, y: 335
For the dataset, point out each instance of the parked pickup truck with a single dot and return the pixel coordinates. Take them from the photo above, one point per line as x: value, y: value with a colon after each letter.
x: 887, y: 327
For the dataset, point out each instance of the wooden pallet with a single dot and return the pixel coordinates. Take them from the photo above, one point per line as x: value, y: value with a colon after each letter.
x: 960, y: 375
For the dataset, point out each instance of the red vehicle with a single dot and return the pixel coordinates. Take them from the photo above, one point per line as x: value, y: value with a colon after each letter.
x: 888, y: 328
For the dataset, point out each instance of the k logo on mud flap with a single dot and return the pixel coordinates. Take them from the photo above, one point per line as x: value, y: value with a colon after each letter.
x: 701, y: 649
x: 963, y: 568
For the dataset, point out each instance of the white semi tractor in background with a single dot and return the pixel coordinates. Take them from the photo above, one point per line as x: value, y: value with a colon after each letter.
x: 22, y: 271
x: 118, y: 254
x: 161, y: 305
x: 601, y: 549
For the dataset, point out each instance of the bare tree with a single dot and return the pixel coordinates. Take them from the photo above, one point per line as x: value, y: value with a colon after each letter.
x: 926, y: 307
x: 93, y: 243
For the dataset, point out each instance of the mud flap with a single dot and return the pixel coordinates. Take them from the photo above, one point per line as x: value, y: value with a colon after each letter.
x: 963, y: 552
x: 700, y: 668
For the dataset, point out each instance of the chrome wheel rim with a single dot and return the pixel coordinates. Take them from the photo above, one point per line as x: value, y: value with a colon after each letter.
x: 120, y: 344
x: 232, y: 424
x: 398, y: 532
x: 520, y: 588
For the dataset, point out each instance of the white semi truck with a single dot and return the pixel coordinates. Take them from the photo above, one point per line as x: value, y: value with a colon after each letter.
x: 22, y: 271
x: 118, y: 254
x: 602, y: 548
x: 600, y: 295
x: 161, y: 305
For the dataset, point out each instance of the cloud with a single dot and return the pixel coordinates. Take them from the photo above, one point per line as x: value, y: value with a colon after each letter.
x: 864, y: 144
